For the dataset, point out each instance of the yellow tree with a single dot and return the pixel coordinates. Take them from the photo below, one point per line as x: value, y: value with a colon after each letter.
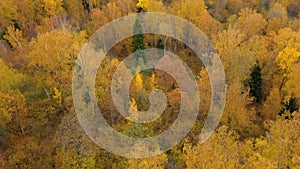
x: 280, y: 148
x: 156, y: 6
x: 8, y: 13
x: 133, y: 110
x: 256, y: 160
x: 27, y: 17
x: 127, y: 6
x: 48, y: 72
x: 220, y: 9
x: 251, y: 22
x: 49, y: 7
x: 287, y: 60
x: 70, y: 159
x: 73, y: 148
x: 15, y: 38
x: 112, y: 11
x: 104, y: 79
x: 234, y: 6
x: 150, y: 5
x: 138, y: 81
x: 157, y: 162
x: 291, y: 87
x: 204, y: 91
x: 286, y: 37
x: 144, y: 4
x: 272, y: 105
x: 236, y: 114
x: 153, y: 82
x: 239, y: 54
x: 220, y: 151
x: 51, y: 58
x: 75, y: 12
x: 277, y: 17
x: 195, y: 12
x: 98, y: 20
x: 47, y: 66
x: 12, y: 101
x: 15, y: 121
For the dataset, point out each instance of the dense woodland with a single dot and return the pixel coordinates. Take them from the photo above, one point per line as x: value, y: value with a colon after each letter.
x: 258, y: 42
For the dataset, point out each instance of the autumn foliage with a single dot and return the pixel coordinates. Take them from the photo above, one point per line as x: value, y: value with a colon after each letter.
x: 258, y: 42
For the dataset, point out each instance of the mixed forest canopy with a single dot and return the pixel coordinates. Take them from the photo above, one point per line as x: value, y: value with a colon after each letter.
x: 259, y: 45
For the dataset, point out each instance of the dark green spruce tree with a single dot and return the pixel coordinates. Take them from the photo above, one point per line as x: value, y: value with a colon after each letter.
x: 138, y: 44
x: 255, y: 83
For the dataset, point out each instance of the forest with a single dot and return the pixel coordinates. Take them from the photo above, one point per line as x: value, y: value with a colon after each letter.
x: 258, y: 42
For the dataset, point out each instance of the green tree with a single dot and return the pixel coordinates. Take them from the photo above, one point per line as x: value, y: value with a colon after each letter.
x: 138, y: 43
x: 255, y: 83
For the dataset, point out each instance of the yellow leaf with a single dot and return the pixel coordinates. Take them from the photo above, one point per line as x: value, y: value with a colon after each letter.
x: 143, y: 4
